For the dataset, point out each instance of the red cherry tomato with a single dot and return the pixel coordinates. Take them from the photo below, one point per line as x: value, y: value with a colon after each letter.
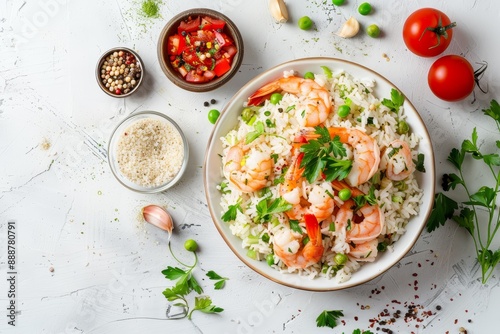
x: 451, y: 78
x: 427, y: 32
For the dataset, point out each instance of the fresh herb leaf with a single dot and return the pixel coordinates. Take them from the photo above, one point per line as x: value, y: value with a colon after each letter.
x: 419, y: 163
x: 193, y: 285
x: 370, y: 197
x: 483, y: 197
x: 266, y: 208
x: 358, y: 331
x: 324, y: 154
x: 280, y: 179
x: 220, y: 280
x: 451, y: 181
x: 173, y: 273
x: 204, y: 304
x: 393, y: 152
x: 170, y: 295
x: 231, y: 212
x: 329, y: 318
x: 492, y: 159
x: 361, y: 200
x: 466, y: 219
x: 251, y: 136
x: 444, y: 208
x: 396, y: 101
x: 294, y: 226
x: 290, y: 108
x: 456, y: 157
x: 493, y: 111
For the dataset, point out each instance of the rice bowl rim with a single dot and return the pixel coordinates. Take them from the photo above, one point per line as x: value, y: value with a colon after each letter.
x: 228, y: 120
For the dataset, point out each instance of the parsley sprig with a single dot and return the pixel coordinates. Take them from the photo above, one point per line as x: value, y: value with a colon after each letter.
x: 184, y: 285
x: 484, y: 199
x: 267, y: 207
x: 324, y: 155
x: 221, y: 281
x: 232, y: 211
x: 396, y: 101
x: 369, y: 198
x: 329, y: 318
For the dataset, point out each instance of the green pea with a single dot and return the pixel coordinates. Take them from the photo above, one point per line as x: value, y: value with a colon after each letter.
x: 382, y: 246
x: 403, y: 127
x: 340, y: 258
x: 373, y: 30
x: 365, y: 8
x: 276, y: 98
x: 270, y: 259
x: 191, y: 245
x: 345, y: 194
x: 338, y: 2
x: 305, y: 23
x: 265, y: 238
x: 343, y: 110
x: 309, y: 75
x: 213, y: 115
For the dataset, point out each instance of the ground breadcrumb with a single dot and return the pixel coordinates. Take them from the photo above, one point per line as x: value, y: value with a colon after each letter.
x: 150, y: 152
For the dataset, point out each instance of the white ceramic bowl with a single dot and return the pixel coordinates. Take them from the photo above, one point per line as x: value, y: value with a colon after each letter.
x: 213, y: 167
x: 115, y: 137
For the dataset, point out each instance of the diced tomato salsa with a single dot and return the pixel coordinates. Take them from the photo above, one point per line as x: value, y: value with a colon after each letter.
x: 201, y: 51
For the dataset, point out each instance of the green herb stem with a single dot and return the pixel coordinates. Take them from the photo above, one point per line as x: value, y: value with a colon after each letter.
x: 180, y: 262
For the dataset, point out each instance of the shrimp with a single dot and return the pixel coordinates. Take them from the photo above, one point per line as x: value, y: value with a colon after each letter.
x: 366, y: 251
x: 317, y: 201
x: 366, y: 154
x: 318, y: 103
x: 248, y: 170
x: 364, y: 224
x: 397, y: 161
x: 289, y: 248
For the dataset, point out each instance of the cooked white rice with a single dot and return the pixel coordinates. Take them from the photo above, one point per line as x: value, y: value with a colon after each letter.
x: 367, y: 114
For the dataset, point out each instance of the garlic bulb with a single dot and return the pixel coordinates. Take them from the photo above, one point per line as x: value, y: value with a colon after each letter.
x: 349, y: 29
x: 159, y: 217
x: 278, y: 10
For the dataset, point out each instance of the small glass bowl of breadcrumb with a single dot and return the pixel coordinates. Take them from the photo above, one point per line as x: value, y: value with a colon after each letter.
x: 148, y: 152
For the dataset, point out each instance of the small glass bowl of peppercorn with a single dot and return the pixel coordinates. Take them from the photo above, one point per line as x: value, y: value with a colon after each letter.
x: 119, y: 72
x: 200, y: 49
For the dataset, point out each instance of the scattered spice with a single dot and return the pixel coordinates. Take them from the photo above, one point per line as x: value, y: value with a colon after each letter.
x: 45, y: 144
x: 150, y: 8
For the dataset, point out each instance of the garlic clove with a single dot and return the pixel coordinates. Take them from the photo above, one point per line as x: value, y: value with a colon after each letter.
x: 159, y: 217
x: 349, y: 29
x: 278, y: 10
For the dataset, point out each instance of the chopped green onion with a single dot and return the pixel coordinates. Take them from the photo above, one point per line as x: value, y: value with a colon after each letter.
x: 252, y: 254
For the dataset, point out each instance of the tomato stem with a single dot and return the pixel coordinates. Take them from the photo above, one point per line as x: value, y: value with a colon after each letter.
x: 439, y: 30
x: 478, y: 74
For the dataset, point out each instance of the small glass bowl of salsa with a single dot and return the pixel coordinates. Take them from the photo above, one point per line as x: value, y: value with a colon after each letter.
x: 200, y: 49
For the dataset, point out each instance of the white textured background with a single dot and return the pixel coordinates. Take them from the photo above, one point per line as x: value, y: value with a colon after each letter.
x: 73, y: 216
